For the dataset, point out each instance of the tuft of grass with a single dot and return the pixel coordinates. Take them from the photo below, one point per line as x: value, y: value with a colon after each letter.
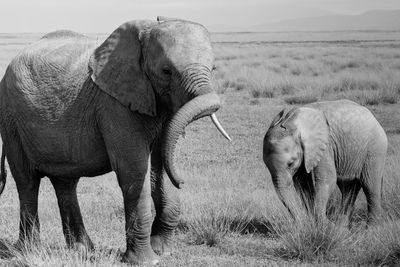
x: 256, y: 93
x: 46, y: 255
x: 210, y: 226
x: 304, y: 96
x: 295, y: 71
x: 301, y: 99
x: 234, y: 84
x: 311, y: 241
x: 271, y: 88
x: 377, y: 246
x: 36, y: 253
x: 348, y: 65
x: 371, y: 97
x: 350, y: 83
x: 254, y: 102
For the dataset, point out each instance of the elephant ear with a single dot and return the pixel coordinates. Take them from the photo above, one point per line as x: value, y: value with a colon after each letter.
x: 278, y: 118
x: 117, y: 70
x: 314, y: 135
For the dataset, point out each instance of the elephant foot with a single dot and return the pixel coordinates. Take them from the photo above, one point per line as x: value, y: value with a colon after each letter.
x: 83, y: 245
x: 145, y: 257
x: 161, y: 245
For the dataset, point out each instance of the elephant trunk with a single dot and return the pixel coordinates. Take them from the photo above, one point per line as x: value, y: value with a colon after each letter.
x: 287, y: 194
x: 200, y: 106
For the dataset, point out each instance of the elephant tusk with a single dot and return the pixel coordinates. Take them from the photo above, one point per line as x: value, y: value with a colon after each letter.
x: 219, y: 127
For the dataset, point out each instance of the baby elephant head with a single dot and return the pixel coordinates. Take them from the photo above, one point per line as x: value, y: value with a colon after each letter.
x: 295, y: 139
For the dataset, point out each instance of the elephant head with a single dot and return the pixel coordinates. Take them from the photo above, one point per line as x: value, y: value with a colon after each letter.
x: 148, y: 65
x: 294, y: 142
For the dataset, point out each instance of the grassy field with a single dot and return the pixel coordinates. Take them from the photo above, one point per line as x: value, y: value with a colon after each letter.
x: 231, y: 215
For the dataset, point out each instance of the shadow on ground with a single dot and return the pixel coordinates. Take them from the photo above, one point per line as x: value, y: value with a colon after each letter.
x: 263, y: 227
x: 251, y: 226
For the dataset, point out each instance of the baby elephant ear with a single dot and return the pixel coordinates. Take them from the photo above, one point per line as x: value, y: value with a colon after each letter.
x: 116, y: 68
x: 278, y: 118
x: 314, y: 135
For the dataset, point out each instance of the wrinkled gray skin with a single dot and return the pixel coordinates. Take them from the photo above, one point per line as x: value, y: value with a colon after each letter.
x: 310, y: 149
x: 72, y: 107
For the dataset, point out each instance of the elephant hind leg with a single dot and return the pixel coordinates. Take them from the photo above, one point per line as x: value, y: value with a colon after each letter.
x: 371, y: 182
x: 349, y: 192
x: 72, y: 223
x: 28, y: 182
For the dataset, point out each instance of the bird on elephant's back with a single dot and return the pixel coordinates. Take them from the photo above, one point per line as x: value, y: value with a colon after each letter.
x: 70, y: 107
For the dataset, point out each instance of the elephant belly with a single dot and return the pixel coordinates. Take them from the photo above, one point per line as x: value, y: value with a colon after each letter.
x: 62, y: 152
x: 350, y: 162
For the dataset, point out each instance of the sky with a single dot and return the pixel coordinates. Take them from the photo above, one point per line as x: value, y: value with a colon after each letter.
x: 103, y: 16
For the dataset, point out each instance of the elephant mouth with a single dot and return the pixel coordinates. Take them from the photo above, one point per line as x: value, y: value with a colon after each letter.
x: 208, y: 112
x: 199, y: 107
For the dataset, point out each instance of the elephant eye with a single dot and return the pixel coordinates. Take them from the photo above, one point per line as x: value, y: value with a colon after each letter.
x: 166, y: 71
x: 214, y: 67
x: 291, y: 164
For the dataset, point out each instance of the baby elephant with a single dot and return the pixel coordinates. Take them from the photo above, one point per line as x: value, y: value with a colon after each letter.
x: 310, y: 148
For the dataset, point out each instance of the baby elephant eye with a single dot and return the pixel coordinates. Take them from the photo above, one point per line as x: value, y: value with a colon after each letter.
x: 166, y: 71
x: 291, y: 164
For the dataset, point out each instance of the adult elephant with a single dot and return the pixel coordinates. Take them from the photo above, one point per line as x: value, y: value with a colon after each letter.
x: 72, y: 108
x: 310, y: 149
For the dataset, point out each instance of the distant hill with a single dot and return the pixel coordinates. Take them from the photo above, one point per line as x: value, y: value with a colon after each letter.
x: 386, y: 20
x: 224, y: 28
x: 372, y: 20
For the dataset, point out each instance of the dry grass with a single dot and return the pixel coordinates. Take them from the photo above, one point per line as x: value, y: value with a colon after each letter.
x: 231, y: 215
x: 365, y: 73
x: 312, y: 242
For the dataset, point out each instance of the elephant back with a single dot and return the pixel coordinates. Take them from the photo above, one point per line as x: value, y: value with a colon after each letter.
x: 60, y: 34
x: 355, y: 133
x: 47, y: 76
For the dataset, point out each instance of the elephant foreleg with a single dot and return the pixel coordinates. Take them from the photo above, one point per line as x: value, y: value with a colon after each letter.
x: 129, y: 153
x: 324, y: 176
x: 165, y: 222
x: 323, y: 190
x: 72, y: 223
x: 167, y: 206
x: 137, y: 203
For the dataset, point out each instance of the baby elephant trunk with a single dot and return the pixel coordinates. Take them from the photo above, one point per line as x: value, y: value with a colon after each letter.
x: 287, y: 194
x: 3, y: 174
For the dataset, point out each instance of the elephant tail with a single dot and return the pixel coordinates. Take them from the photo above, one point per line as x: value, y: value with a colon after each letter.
x: 3, y: 172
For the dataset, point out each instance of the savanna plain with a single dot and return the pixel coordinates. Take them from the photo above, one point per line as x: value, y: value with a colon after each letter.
x: 231, y: 215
